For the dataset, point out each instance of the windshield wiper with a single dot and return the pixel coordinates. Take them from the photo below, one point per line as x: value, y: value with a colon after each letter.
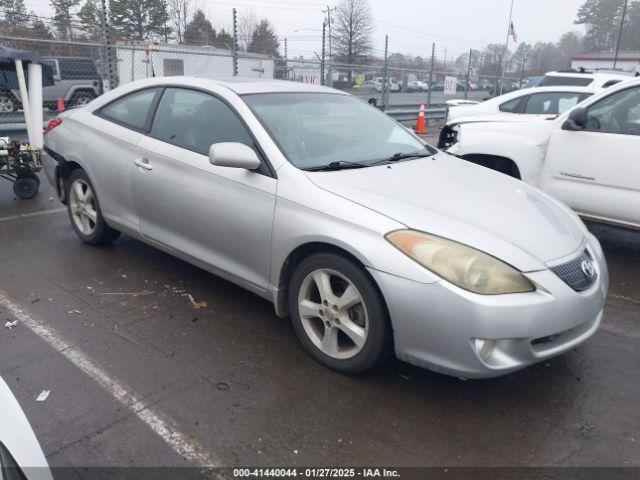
x: 339, y: 165
x: 402, y: 156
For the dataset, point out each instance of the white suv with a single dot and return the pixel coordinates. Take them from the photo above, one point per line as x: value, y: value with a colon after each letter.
x: 587, y: 157
x: 594, y: 80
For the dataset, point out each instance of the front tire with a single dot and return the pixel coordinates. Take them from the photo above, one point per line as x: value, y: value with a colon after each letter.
x: 338, y: 313
x: 84, y: 211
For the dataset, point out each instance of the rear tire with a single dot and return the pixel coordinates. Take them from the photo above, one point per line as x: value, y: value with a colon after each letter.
x: 80, y: 99
x: 84, y: 211
x: 8, y: 103
x: 26, y: 186
x: 338, y: 313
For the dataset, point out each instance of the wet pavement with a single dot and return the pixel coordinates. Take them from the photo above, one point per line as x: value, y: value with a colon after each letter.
x: 232, y: 386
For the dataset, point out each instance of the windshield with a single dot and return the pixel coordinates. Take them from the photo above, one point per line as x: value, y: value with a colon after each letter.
x: 317, y: 129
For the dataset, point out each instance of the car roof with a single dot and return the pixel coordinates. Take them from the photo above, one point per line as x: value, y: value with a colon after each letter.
x: 248, y: 85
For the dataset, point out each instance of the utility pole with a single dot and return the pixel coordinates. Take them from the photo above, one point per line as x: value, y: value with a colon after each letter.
x: 235, y: 43
x: 506, y: 49
x: 286, y: 69
x: 108, y: 66
x: 466, y: 85
x: 444, y: 64
x: 433, y: 60
x: 385, y: 73
x: 624, y: 13
x: 328, y: 22
x: 324, y: 29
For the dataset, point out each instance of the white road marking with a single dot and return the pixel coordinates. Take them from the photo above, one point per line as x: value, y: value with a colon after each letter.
x: 32, y: 214
x: 172, y: 436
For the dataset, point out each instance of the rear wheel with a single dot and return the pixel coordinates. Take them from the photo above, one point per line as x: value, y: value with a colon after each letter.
x: 338, y: 313
x: 26, y: 186
x: 84, y: 211
x: 80, y: 99
x: 8, y: 104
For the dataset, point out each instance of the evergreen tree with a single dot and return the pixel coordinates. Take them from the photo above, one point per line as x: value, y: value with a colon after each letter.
x: 264, y: 40
x: 602, y: 19
x: 199, y: 30
x: 13, y: 14
x: 89, y: 16
x: 224, y: 40
x: 140, y: 19
x: 62, y: 17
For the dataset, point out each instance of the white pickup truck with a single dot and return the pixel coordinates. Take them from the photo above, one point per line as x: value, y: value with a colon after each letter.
x: 589, y: 157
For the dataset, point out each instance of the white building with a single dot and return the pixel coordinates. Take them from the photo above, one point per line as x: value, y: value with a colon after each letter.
x: 136, y: 62
x: 627, y: 61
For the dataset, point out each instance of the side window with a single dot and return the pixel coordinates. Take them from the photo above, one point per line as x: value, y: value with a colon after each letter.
x: 511, y: 106
x: 196, y: 120
x: 552, y: 103
x: 618, y: 113
x: 131, y: 110
x: 77, y: 69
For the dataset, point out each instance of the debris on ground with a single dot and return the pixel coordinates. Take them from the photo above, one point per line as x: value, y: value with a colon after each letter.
x: 10, y: 325
x: 76, y: 311
x: 43, y: 396
x: 198, y: 305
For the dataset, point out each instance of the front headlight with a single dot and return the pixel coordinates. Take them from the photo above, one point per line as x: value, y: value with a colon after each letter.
x: 461, y: 265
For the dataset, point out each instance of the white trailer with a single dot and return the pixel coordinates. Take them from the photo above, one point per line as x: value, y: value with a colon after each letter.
x: 135, y: 62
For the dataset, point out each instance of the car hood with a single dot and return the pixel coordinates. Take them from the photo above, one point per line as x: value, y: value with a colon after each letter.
x: 455, y: 199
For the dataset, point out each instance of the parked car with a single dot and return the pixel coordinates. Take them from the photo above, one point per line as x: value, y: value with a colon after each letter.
x: 594, y: 80
x: 21, y: 456
x: 417, y: 86
x: 545, y: 101
x: 76, y: 79
x: 439, y: 87
x: 532, y: 82
x: 370, y: 239
x: 375, y: 85
x: 587, y: 157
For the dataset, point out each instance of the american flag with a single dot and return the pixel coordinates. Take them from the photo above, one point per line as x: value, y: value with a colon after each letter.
x: 512, y: 32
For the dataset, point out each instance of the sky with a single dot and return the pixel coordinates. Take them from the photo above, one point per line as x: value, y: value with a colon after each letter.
x: 412, y: 25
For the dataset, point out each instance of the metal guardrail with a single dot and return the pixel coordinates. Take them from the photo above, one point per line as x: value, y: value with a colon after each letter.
x: 408, y: 113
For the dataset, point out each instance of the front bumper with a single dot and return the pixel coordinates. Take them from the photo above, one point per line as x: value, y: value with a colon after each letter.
x: 437, y: 326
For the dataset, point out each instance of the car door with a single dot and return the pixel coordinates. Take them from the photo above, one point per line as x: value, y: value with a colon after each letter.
x: 109, y: 145
x: 219, y: 216
x: 596, y: 170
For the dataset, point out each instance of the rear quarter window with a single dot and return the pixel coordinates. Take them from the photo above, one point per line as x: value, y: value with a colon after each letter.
x: 512, y: 105
x: 131, y: 110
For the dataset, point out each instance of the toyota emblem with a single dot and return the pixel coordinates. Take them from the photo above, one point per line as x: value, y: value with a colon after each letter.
x: 588, y: 268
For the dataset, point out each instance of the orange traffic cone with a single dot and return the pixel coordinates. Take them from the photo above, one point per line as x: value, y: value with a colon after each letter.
x: 60, y: 104
x: 420, y: 121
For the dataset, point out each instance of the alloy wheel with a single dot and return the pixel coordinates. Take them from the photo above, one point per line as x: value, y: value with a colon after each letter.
x: 7, y: 105
x: 333, y: 313
x: 83, y: 207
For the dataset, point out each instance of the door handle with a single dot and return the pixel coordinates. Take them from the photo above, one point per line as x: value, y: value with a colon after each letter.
x: 143, y: 163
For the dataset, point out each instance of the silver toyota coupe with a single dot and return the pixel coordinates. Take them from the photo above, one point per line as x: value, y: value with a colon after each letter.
x: 372, y: 241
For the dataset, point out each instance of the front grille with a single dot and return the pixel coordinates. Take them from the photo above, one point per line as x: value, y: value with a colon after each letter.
x: 579, y: 273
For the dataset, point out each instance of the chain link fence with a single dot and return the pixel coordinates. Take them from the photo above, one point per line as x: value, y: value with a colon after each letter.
x: 83, y: 70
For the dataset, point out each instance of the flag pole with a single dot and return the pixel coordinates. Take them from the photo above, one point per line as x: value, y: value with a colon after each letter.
x: 506, y: 50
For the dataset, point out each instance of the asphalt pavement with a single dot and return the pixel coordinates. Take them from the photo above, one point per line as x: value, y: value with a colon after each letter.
x: 141, y: 375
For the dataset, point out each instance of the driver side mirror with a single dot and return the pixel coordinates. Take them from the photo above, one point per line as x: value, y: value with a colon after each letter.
x: 577, y: 120
x: 233, y: 155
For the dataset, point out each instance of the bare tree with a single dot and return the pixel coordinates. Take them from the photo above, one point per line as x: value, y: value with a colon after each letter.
x: 179, y: 12
x: 247, y: 24
x: 352, y: 27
